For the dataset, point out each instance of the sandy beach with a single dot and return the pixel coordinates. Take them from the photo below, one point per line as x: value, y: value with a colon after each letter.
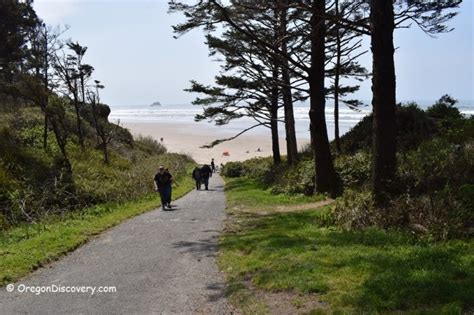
x: 189, y: 137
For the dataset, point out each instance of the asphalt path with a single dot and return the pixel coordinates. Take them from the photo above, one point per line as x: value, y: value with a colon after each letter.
x: 161, y: 262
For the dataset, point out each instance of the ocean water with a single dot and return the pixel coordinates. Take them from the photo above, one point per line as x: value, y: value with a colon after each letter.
x: 185, y: 113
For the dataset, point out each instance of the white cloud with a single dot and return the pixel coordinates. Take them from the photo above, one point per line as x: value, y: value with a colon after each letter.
x: 55, y: 11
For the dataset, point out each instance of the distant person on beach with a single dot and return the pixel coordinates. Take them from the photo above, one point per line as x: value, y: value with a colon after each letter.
x: 197, y: 177
x: 162, y: 183
x: 213, y: 166
x: 206, y: 172
x: 161, y: 139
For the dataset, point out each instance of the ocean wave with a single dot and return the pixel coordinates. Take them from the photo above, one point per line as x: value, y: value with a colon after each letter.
x: 187, y: 113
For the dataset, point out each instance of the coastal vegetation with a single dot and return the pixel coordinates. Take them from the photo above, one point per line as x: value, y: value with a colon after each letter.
x: 66, y: 172
x: 433, y: 182
x: 284, y: 250
x: 297, y: 260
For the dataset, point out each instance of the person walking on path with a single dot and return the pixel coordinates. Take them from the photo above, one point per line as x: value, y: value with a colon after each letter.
x: 197, y: 177
x: 206, y: 172
x: 162, y: 183
x: 213, y: 166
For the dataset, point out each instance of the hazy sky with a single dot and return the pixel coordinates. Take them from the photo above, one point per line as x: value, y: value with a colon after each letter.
x: 131, y: 45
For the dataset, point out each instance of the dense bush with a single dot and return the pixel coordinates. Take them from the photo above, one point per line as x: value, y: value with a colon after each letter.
x: 435, y: 178
x: 280, y: 179
x: 296, y: 180
x: 437, y: 196
x: 233, y: 169
x: 414, y: 126
x: 356, y: 209
x: 261, y: 169
x: 437, y: 163
x: 354, y: 170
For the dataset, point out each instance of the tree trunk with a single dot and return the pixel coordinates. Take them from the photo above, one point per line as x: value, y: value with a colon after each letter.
x: 326, y: 179
x: 78, y: 118
x: 105, y: 150
x: 45, y: 105
x: 83, y: 91
x: 79, y: 125
x: 59, y: 139
x: 383, y: 102
x: 46, y: 87
x: 336, y: 82
x: 291, y: 143
x: 274, y: 118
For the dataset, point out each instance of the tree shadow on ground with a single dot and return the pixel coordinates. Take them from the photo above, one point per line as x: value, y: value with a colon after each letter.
x: 202, y: 248
x: 367, y: 270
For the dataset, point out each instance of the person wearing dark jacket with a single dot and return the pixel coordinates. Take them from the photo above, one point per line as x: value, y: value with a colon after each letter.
x: 206, y: 172
x: 197, y: 177
x: 162, y: 181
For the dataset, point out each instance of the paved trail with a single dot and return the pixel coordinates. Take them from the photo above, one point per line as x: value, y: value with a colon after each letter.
x: 161, y: 262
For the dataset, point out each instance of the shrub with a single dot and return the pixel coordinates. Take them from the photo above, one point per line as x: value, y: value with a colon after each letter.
x: 233, y: 169
x: 450, y: 122
x: 444, y: 111
x: 149, y: 145
x: 123, y: 135
x: 414, y: 126
x: 261, y: 169
x: 358, y: 137
x: 435, y: 164
x: 32, y: 136
x: 356, y: 209
x: 437, y: 184
x: 296, y: 180
x: 355, y: 169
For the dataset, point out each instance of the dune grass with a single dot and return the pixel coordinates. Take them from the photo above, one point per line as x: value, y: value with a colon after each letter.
x: 372, y: 271
x: 25, y: 248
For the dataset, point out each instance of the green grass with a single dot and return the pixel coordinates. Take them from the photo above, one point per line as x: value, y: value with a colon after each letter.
x: 25, y: 248
x: 248, y: 193
x: 371, y: 270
